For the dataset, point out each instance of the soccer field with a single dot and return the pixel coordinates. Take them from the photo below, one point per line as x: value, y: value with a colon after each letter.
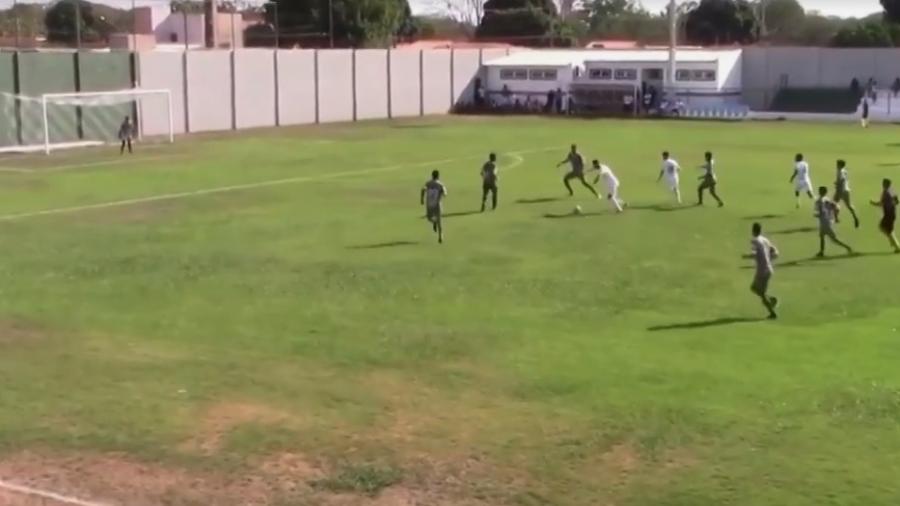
x: 267, y: 319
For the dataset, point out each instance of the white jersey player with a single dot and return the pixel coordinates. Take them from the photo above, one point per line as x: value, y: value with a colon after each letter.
x: 612, y: 184
x: 671, y: 170
x: 801, y: 178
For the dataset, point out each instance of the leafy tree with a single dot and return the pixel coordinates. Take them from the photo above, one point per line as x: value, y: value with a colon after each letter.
x: 721, y: 22
x: 869, y: 34
x: 356, y: 22
x: 780, y: 19
x: 891, y: 10
x: 30, y: 19
x: 259, y: 35
x: 518, y: 19
x: 603, y: 14
x: 63, y: 21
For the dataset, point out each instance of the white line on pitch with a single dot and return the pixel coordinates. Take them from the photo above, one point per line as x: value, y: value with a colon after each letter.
x: 46, y: 494
x: 238, y: 187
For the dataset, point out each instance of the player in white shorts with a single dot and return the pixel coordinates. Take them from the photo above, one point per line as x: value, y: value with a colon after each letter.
x: 801, y: 179
x: 671, y: 169
x: 612, y: 185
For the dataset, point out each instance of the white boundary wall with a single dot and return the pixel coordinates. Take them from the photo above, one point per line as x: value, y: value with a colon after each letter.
x: 252, y: 88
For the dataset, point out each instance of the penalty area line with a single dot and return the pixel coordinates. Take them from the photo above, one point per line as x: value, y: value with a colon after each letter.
x: 46, y: 494
x: 240, y: 187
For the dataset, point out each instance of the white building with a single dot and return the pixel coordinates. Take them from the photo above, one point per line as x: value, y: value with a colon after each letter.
x: 703, y: 79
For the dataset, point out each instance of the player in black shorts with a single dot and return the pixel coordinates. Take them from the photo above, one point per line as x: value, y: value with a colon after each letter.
x: 708, y: 180
x: 888, y: 204
x: 576, y: 162
x: 126, y: 134
x: 489, y: 181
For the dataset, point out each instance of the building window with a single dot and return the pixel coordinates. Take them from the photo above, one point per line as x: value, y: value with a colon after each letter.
x: 513, y: 74
x: 703, y: 75
x: 543, y: 75
x: 695, y: 75
x: 626, y: 75
x: 653, y: 74
x: 601, y: 74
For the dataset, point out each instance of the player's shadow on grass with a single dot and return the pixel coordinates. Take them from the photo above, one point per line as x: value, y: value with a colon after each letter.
x: 814, y: 261
x: 542, y: 200
x: 382, y: 245
x: 551, y: 216
x: 762, y: 217
x: 460, y: 214
x: 663, y: 208
x: 791, y: 231
x: 718, y: 322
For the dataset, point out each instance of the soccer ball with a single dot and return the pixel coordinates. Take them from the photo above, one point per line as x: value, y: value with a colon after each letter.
x: 577, y: 210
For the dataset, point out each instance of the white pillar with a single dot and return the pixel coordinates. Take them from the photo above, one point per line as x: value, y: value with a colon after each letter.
x: 673, y: 42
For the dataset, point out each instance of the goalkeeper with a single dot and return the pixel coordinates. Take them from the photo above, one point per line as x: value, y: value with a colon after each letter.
x: 126, y: 134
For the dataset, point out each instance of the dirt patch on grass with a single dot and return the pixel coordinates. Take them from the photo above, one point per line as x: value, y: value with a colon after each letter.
x: 18, y: 331
x: 220, y: 419
x: 116, y: 480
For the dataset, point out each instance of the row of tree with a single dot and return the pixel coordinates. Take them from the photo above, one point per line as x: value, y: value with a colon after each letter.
x: 706, y: 22
x: 529, y: 22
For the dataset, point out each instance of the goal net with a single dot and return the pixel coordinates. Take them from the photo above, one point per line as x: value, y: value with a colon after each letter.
x: 66, y: 120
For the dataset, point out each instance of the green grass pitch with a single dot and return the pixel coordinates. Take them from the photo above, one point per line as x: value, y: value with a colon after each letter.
x: 201, y: 309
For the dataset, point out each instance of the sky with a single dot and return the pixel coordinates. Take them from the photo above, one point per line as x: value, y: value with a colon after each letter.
x: 844, y: 8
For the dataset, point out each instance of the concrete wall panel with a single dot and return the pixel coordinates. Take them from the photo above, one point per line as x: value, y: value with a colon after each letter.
x: 161, y: 71
x: 371, y: 84
x: 840, y: 66
x: 254, y: 88
x: 297, y: 87
x: 436, y: 80
x: 405, y: 84
x: 466, y: 68
x: 335, y: 85
x: 887, y: 66
x: 209, y: 91
x: 801, y: 65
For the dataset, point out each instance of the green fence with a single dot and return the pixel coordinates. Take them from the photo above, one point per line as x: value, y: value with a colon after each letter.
x: 104, y: 72
x: 41, y: 73
x: 8, y: 133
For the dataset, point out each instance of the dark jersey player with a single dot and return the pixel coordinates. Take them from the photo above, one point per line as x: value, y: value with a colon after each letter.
x: 489, y: 182
x: 432, y: 197
x: 888, y: 204
x: 576, y: 164
x: 708, y: 180
x: 126, y: 134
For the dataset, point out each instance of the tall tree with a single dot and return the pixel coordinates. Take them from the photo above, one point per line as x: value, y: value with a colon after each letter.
x: 355, y: 22
x: 469, y: 12
x: 603, y: 14
x: 63, y: 22
x: 891, y: 10
x: 721, y: 22
x: 868, y: 34
x: 520, y: 19
x: 779, y: 19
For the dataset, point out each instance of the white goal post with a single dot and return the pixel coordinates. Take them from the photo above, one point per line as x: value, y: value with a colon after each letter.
x: 112, y: 100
